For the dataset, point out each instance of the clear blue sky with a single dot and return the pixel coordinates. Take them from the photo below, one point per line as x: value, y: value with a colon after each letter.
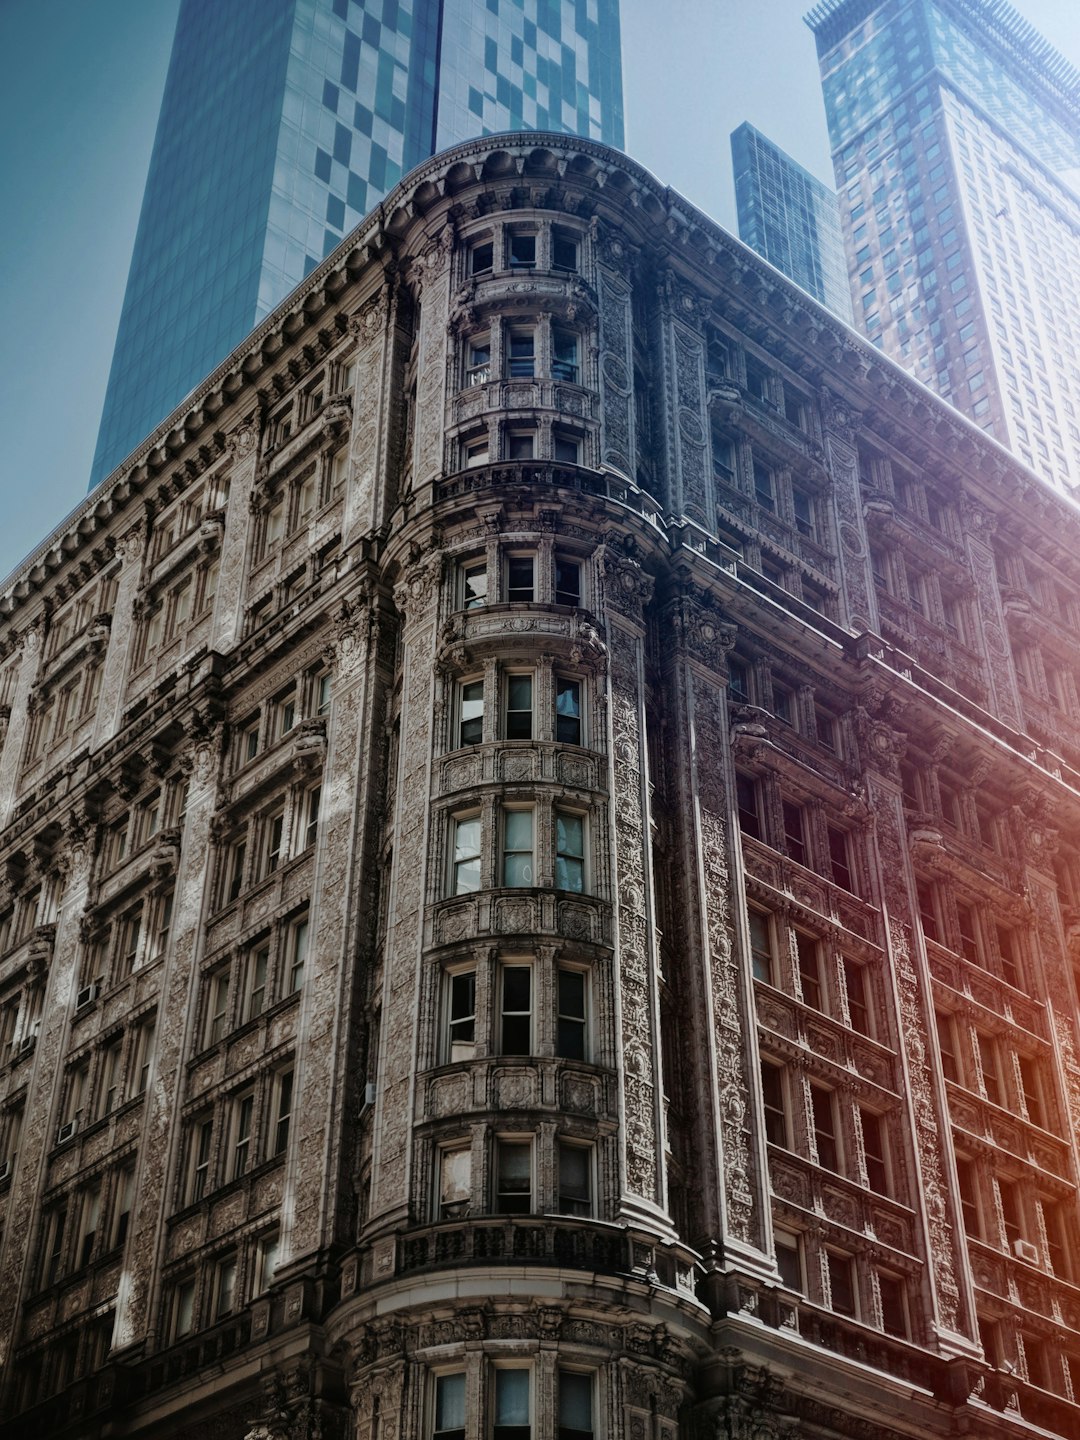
x: 80, y: 86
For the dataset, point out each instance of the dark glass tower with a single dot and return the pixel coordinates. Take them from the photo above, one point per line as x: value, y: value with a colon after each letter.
x: 789, y: 217
x: 284, y: 121
x: 955, y: 132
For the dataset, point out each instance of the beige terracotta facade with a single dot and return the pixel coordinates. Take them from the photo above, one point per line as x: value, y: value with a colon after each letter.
x: 538, y: 874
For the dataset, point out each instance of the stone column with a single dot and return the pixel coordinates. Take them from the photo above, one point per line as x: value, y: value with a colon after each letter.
x: 122, y: 647
x: 642, y: 1180
x: 54, y: 960
x: 338, y: 922
x: 31, y: 647
x: 734, y: 1183
x: 161, y: 1147
x: 858, y: 603
x: 618, y: 440
x: 417, y: 598
x: 682, y: 387
x: 228, y: 622
x: 993, y: 640
x: 947, y: 1292
x: 363, y: 509
x: 431, y: 276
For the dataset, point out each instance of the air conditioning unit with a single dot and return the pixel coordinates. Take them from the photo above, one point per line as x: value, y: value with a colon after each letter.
x: 66, y: 1131
x: 29, y: 1039
x: 5, y: 1169
x: 1025, y: 1250
x: 369, y: 1093
x: 86, y: 995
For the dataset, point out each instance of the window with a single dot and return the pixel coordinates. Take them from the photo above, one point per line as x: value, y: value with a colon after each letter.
x: 575, y: 1179
x: 567, y: 580
x: 772, y: 1087
x: 874, y: 1146
x: 789, y: 1260
x: 89, y: 1215
x: 224, y: 1286
x: 266, y: 1260
x: 808, y: 956
x: 564, y: 251
x: 478, y: 369
x: 764, y: 489
x: 858, y: 1004
x: 237, y: 856
x: 564, y: 355
x: 761, y: 946
x: 122, y: 1203
x: 519, y: 707
x: 455, y: 1181
x: 566, y: 450
x: 823, y: 1110
x: 273, y: 834
x: 515, y: 1010
x: 520, y: 583
x: 567, y: 710
x: 283, y: 1104
x: 839, y: 860
x: 520, y: 445
x: 312, y: 801
x: 746, y: 794
x: 513, y: 1177
x: 841, y: 1283
x: 477, y: 452
x: 990, y: 1065
x: 217, y: 1006
x: 803, y: 506
x: 569, y: 851
x: 1032, y: 1090
x: 202, y: 1137
x: 474, y: 586
x: 449, y: 1407
x: 481, y: 257
x: 521, y: 354
x: 255, y: 982
x: 182, y: 1310
x: 109, y: 1085
x: 297, y: 952
x: 572, y: 1019
x: 522, y: 251
x: 243, y: 1108
x: 461, y: 1015
x: 794, y: 831
x: 127, y: 945
x: 891, y: 1293
x: 283, y: 715
x: 466, y: 873
x: 517, y: 867
x: 926, y: 898
x: 161, y: 925
x: 947, y: 1045
x: 143, y: 1056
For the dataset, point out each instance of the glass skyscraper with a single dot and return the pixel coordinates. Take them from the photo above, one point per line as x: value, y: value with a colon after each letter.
x: 955, y: 132
x: 789, y: 217
x: 284, y: 121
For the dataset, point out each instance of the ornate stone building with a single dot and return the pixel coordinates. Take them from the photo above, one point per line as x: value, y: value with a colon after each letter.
x: 539, y: 890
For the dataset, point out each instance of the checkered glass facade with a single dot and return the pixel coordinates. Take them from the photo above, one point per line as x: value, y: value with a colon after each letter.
x: 284, y: 121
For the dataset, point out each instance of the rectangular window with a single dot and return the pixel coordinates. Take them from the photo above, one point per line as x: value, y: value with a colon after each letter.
x: 808, y: 953
x: 255, y: 982
x: 947, y: 1045
x: 449, y: 1407
x: 565, y: 450
x: 575, y: 1179
x: 202, y: 1137
x: 513, y: 1177
x: 569, y: 851
x: 746, y: 793
x: 874, y: 1151
x: 893, y: 1305
x: 522, y: 251
x: 243, y: 1108
x: 183, y: 1309
x: 513, y: 1405
x: 1032, y: 1090
x: 481, y: 258
x: 273, y: 834
x: 455, y: 1181
x: 312, y: 801
x: 564, y: 355
x: 477, y: 452
x: 1008, y: 951
x: 990, y: 1065
x: 283, y: 1105
x: 466, y: 873
x: 572, y: 1020
x: 298, y: 948
x: 266, y: 1260
x: 110, y: 1078
x: 515, y: 1008
x: 839, y: 859
x: 521, y: 354
x: 803, y: 506
x: 122, y: 1202
x: 461, y: 1015
x: 519, y: 707
x: 217, y: 1006
x: 969, y: 1203
x: 520, y: 583
x: 143, y: 1056
x: 517, y: 867
x: 471, y: 712
x: 89, y: 1213
x: 564, y: 251
x: 224, y: 1286
x: 928, y: 915
x: 823, y: 1109
x: 764, y: 491
x: 969, y: 934
x: 794, y: 831
x: 789, y: 1260
x: 237, y: 856
x: 761, y: 946
x: 567, y: 710
x: 159, y: 934
x: 520, y: 445
x: 858, y: 1003
x: 567, y: 581
x: 478, y: 370
x: 473, y: 587
x: 127, y: 949
x: 841, y: 1283
x: 772, y: 1088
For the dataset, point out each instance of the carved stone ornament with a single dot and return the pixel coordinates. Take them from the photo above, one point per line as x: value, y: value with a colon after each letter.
x: 838, y: 416
x: 243, y: 440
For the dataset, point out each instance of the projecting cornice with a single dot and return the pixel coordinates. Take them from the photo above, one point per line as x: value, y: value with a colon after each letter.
x: 539, y: 171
